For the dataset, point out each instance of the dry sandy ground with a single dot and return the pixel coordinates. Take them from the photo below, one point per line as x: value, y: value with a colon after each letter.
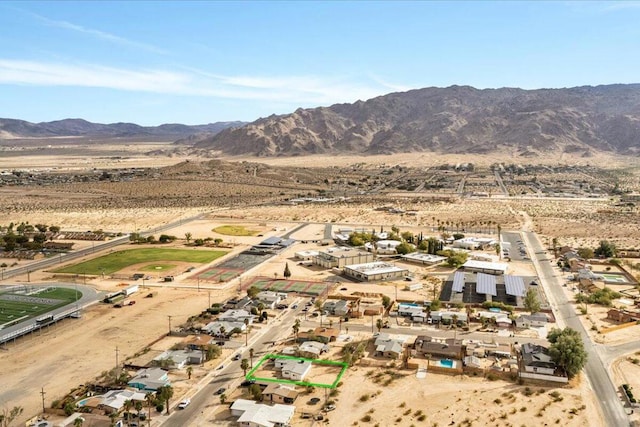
x: 448, y: 400
x: 78, y: 350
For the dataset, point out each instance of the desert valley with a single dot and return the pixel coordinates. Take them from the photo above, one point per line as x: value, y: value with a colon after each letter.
x: 435, y: 257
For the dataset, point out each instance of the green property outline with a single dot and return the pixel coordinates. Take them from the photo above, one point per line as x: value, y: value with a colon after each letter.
x: 266, y: 357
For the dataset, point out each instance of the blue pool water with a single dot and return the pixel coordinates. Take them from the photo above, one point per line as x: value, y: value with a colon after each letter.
x: 446, y: 363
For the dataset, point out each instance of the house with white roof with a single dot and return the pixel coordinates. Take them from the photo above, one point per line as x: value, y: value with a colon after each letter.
x: 312, y: 349
x: 236, y: 316
x: 217, y: 327
x: 113, y: 400
x: 252, y: 414
x: 149, y: 379
x: 293, y: 369
x: 178, y: 359
x: 269, y: 298
x: 375, y: 271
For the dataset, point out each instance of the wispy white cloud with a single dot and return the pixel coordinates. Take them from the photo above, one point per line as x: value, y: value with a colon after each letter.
x: 191, y: 82
x: 102, y: 35
x: 621, y: 5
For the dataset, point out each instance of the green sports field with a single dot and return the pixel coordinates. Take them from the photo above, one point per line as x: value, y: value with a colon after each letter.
x: 18, y: 307
x: 116, y: 261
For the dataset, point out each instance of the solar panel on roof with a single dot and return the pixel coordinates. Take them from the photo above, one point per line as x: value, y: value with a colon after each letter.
x: 514, y: 285
x: 458, y: 281
x: 486, y: 284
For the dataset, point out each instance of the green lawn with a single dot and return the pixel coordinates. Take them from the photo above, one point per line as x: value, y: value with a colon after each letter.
x: 116, y: 261
x: 11, y: 311
x: 234, y: 230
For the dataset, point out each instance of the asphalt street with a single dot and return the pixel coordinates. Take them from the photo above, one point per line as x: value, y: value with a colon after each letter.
x: 230, y: 376
x: 599, y: 379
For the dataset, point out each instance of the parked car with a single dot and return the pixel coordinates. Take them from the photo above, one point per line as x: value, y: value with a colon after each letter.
x: 314, y: 400
x: 220, y: 390
x: 184, y: 403
x: 247, y: 383
x: 329, y: 408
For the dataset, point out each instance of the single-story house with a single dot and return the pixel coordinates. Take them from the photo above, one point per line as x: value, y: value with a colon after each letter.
x: 410, y: 310
x: 217, y: 327
x: 252, y: 414
x: 447, y: 317
x: 306, y: 255
x: 178, y: 359
x: 269, y: 298
x: 196, y: 342
x: 388, y: 347
x: 623, y: 316
x: 113, y: 400
x: 336, y: 307
x: 236, y: 316
x: 536, y: 359
x: 293, y: 369
x: 324, y: 335
x: 149, y: 379
x: 279, y: 393
x: 312, y: 349
x: 535, y: 320
x: 439, y: 347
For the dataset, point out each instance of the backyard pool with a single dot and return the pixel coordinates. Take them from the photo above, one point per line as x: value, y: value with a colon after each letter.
x: 445, y: 363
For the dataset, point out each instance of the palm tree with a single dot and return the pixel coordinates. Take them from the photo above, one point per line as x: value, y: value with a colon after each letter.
x: 165, y: 393
x: 128, y: 404
x: 138, y: 407
x: 244, y: 365
x: 78, y: 422
x: 223, y: 398
x: 150, y: 399
x: 189, y: 371
x: 251, y: 356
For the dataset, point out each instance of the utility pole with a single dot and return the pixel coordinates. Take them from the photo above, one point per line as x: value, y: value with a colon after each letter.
x: 42, y: 393
x: 209, y: 306
x: 169, y: 324
x: 117, y: 373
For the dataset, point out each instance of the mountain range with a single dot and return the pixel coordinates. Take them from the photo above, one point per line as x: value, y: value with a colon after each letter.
x: 15, y: 129
x: 456, y: 119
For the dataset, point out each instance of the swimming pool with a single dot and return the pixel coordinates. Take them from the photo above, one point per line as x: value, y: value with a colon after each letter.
x: 445, y: 363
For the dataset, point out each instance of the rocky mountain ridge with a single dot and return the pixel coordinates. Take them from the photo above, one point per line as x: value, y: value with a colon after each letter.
x: 456, y: 119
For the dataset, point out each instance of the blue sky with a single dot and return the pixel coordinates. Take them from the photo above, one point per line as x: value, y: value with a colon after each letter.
x: 202, y: 62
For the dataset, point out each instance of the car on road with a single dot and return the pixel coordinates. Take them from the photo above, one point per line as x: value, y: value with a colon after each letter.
x: 184, y: 403
x: 294, y: 306
x: 220, y: 390
x: 343, y: 289
x: 315, y: 314
x: 220, y: 367
x: 329, y: 408
x: 305, y: 309
x: 237, y: 357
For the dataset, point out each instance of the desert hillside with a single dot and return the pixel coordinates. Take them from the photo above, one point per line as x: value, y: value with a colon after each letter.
x: 581, y: 121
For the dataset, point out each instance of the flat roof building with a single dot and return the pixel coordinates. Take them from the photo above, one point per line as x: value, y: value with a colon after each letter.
x: 485, y: 267
x: 424, y: 259
x: 375, y: 271
x: 340, y: 258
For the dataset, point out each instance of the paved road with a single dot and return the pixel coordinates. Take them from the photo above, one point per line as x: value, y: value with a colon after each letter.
x: 231, y: 375
x: 603, y: 388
